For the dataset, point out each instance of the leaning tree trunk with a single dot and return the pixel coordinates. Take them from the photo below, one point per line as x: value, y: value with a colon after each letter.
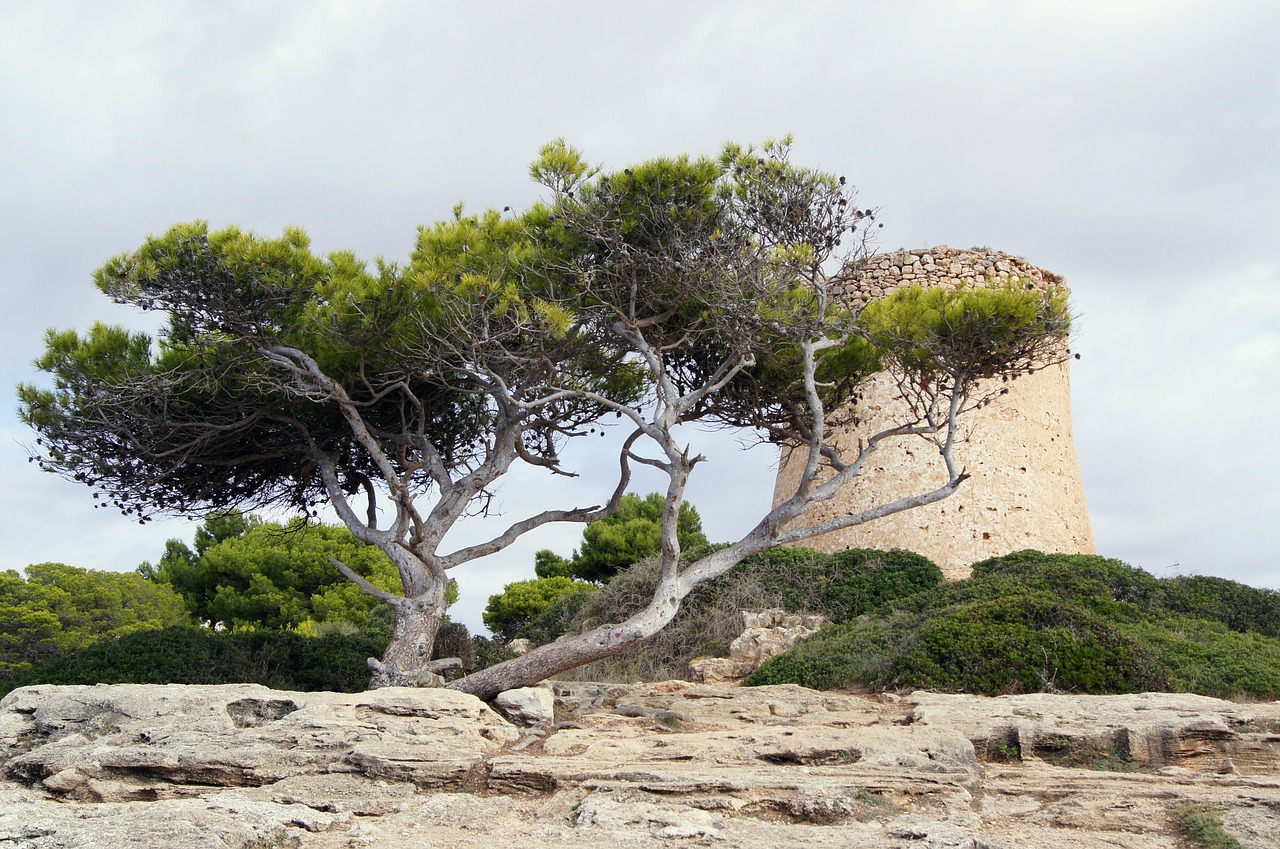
x: 552, y: 659
x: 573, y: 651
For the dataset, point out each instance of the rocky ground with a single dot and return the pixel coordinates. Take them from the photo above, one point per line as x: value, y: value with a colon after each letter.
x: 646, y: 765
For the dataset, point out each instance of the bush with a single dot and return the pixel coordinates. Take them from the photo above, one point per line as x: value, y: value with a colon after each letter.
x: 522, y: 602
x: 1080, y: 574
x: 796, y: 579
x: 1210, y: 659
x: 1027, y: 644
x: 1239, y: 607
x: 454, y: 640
x: 490, y: 652
x: 1011, y: 645
x: 1200, y: 824
x: 863, y: 579
x: 558, y: 618
x: 187, y: 655
x: 1031, y: 621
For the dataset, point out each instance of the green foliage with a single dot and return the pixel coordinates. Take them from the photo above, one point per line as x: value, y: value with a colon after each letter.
x: 246, y: 573
x: 204, y: 417
x: 188, y: 655
x: 796, y: 579
x: 548, y: 564
x: 558, y: 618
x: 1061, y: 649
x: 843, y: 585
x: 977, y: 332
x: 1200, y: 825
x: 522, y: 602
x: 629, y: 535
x: 60, y: 608
x: 490, y: 652
x: 1030, y: 621
x: 29, y: 629
x: 1208, y: 658
x: 689, y: 285
x: 1239, y: 607
x: 454, y: 640
x: 1079, y: 575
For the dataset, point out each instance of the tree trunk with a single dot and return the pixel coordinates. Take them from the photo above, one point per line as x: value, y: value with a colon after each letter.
x: 406, y: 660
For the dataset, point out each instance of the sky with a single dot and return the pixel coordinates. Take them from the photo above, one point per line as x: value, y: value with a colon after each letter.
x: 1132, y: 147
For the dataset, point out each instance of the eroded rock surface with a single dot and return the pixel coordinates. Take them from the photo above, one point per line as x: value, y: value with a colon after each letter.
x: 646, y: 765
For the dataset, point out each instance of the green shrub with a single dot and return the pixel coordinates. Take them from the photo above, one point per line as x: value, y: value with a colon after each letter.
x: 57, y: 608
x: 796, y: 579
x: 522, y: 602
x: 557, y: 619
x: 1210, y: 659
x: 187, y: 655
x: 454, y: 640
x: 1030, y: 621
x: 1201, y: 826
x: 863, y: 579
x: 708, y: 620
x: 1239, y: 607
x: 1026, y: 644
x: 849, y: 655
x: 1078, y: 575
x: 1011, y: 645
x: 490, y: 652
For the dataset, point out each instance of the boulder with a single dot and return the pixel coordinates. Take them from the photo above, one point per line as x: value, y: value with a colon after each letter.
x: 527, y: 705
x: 768, y: 633
x: 521, y: 645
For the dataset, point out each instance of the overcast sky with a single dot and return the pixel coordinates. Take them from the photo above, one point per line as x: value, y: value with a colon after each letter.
x: 1132, y: 146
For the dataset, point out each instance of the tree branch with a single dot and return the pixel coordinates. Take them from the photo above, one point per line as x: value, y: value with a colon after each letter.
x: 368, y: 588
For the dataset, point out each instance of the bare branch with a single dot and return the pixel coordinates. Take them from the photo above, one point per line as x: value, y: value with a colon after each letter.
x: 363, y: 583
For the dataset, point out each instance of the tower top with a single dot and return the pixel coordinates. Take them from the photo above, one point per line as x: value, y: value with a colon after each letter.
x: 955, y: 268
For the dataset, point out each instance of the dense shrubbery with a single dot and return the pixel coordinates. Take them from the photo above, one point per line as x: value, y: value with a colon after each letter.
x: 543, y: 608
x: 282, y: 660
x: 334, y: 656
x: 1074, y: 623
x: 523, y: 602
x: 1239, y: 607
x: 838, y: 586
x: 628, y: 536
x: 295, y: 621
x: 1024, y: 622
x: 57, y: 608
x: 247, y: 573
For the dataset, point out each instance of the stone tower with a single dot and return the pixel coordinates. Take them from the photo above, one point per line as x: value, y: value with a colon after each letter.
x: 1025, y: 490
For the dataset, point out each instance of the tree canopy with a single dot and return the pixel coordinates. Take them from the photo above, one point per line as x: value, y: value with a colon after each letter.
x: 521, y: 602
x: 247, y: 573
x: 627, y: 536
x: 677, y: 290
x: 58, y: 608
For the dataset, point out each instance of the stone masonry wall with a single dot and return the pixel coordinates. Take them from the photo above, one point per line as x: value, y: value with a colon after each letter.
x: 1025, y: 490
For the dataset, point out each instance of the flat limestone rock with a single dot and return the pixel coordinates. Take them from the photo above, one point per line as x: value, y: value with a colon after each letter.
x: 646, y: 765
x: 141, y: 742
x: 1147, y: 730
x: 224, y: 822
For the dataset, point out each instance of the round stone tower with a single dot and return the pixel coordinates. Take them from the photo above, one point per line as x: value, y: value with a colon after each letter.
x: 1025, y: 489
